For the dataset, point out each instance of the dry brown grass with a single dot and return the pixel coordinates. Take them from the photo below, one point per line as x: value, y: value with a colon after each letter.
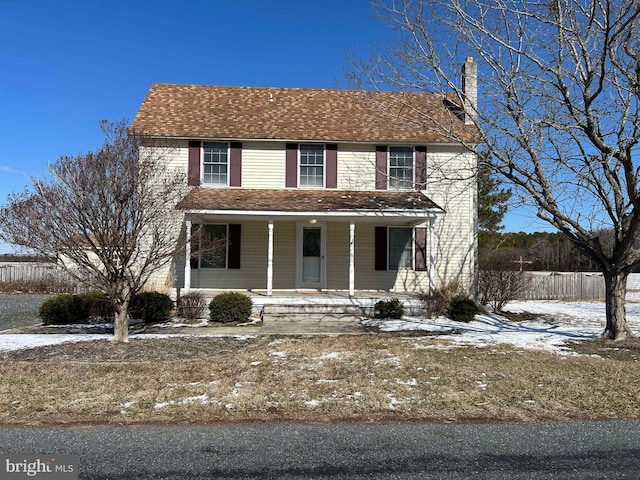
x: 203, y: 380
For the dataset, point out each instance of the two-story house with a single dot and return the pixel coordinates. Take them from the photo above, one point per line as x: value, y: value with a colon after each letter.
x: 321, y: 189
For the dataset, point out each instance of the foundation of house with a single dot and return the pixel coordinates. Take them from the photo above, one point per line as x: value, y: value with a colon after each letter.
x: 320, y: 305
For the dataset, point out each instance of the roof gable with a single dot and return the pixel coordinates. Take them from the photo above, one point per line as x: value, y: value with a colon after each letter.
x: 196, y: 111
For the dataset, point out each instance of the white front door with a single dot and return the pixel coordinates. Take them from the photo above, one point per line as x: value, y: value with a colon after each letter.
x: 311, y: 255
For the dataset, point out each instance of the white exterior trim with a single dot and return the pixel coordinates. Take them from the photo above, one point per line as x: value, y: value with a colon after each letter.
x: 422, y: 214
x: 187, y: 257
x: 270, y: 259
x: 352, y: 269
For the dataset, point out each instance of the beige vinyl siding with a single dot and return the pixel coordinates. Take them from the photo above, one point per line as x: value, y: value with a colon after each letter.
x: 450, y: 184
x: 174, y: 154
x: 356, y: 167
x: 263, y: 165
x: 337, y: 255
x: 284, y: 256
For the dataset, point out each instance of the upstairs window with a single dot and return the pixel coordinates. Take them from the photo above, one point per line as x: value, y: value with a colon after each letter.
x: 312, y: 165
x: 401, y: 168
x: 215, y: 163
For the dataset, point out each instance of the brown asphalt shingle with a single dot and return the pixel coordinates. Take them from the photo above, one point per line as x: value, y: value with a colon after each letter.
x: 209, y: 112
x: 303, y: 200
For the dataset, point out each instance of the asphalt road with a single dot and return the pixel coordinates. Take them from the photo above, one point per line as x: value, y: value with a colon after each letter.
x: 572, y: 450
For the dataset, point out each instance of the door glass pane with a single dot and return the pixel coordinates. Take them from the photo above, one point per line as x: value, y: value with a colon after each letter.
x: 311, y: 242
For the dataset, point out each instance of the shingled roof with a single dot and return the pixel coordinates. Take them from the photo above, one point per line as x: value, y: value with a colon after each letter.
x: 210, y: 112
x: 305, y: 200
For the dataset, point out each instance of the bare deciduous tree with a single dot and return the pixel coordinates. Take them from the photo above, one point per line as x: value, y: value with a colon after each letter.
x: 106, y: 217
x: 558, y: 110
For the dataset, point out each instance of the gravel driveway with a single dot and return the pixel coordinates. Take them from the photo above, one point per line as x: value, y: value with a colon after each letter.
x: 20, y: 310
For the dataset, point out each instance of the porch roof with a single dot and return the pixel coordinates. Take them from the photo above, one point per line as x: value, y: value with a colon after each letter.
x: 292, y: 202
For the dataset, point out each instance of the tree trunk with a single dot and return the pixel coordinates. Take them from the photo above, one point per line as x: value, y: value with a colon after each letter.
x: 121, y: 325
x: 615, y: 292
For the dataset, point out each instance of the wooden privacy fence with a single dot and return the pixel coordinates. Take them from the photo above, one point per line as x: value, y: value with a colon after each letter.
x: 564, y: 286
x: 40, y: 276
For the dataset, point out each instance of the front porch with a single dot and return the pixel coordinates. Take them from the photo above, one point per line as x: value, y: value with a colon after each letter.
x: 335, y: 241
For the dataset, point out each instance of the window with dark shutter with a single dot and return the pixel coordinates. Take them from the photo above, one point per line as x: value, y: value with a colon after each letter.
x: 291, y: 166
x: 235, y: 164
x: 234, y: 246
x: 332, y: 165
x: 420, y: 249
x: 194, y: 261
x: 381, y: 167
x: 421, y: 167
x: 193, y: 175
x: 380, y: 240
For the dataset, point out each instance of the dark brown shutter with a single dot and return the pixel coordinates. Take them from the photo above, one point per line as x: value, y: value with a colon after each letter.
x: 381, y: 167
x: 233, y: 260
x: 421, y: 249
x: 195, y: 245
x: 291, y: 168
x: 421, y: 167
x: 332, y: 165
x: 235, y: 165
x: 380, y: 248
x: 193, y: 175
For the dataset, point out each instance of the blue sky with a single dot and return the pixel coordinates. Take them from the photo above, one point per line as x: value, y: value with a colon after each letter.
x: 66, y: 64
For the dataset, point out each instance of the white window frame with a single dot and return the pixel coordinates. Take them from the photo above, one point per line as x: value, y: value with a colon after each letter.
x: 411, y: 249
x: 201, y: 260
x: 324, y: 165
x: 204, y: 163
x: 394, y: 179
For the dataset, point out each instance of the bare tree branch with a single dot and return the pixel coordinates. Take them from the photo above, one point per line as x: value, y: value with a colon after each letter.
x: 560, y: 84
x: 106, y: 216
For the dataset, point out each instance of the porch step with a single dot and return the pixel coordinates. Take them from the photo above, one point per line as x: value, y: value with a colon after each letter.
x: 311, y: 312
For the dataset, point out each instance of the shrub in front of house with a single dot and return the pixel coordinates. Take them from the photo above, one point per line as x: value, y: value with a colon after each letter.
x: 151, y: 307
x: 63, y: 310
x: 437, y: 303
x: 99, y: 305
x: 230, y: 307
x: 463, y: 309
x: 192, y: 305
x: 391, y: 308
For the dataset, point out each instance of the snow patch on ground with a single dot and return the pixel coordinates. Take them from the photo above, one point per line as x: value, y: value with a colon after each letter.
x: 557, y: 323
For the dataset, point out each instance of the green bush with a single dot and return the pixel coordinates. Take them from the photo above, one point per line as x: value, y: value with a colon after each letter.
x: 63, y: 310
x: 230, y: 307
x: 191, y: 305
x: 151, y: 307
x: 391, y: 308
x: 99, y: 305
x: 463, y: 309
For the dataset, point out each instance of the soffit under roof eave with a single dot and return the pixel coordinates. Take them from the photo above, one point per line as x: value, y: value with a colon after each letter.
x: 464, y: 144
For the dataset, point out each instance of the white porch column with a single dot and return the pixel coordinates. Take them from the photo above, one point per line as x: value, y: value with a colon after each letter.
x: 270, y: 259
x: 352, y: 269
x: 432, y: 258
x: 187, y: 257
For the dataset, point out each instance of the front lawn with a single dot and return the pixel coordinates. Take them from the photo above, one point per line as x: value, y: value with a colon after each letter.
x: 371, y: 377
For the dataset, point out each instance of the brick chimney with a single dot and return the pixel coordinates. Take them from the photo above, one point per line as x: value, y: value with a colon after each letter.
x: 470, y: 90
